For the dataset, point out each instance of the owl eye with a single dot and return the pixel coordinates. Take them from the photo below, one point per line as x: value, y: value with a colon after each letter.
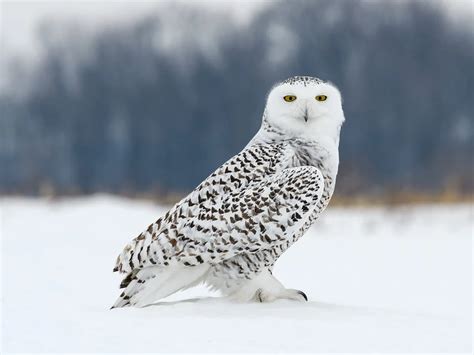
x: 321, y: 98
x: 289, y: 98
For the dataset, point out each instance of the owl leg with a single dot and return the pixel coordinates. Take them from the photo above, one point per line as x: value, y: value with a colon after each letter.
x: 264, y: 287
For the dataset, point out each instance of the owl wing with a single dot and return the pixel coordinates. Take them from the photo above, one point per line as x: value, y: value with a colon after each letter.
x: 250, y: 204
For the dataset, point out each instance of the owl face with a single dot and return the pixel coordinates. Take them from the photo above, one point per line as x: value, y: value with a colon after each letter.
x: 306, y: 108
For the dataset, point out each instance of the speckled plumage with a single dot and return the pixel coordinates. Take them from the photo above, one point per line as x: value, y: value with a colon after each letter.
x: 232, y: 228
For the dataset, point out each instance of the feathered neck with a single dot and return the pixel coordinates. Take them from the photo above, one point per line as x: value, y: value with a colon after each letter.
x: 321, y: 153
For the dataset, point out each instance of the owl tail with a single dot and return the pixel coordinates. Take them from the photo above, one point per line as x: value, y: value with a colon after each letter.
x: 145, y: 286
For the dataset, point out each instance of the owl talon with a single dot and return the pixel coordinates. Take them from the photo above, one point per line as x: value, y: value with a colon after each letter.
x: 263, y: 296
x: 303, y: 294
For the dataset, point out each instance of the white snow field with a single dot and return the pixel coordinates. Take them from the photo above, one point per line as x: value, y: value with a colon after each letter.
x: 378, y: 279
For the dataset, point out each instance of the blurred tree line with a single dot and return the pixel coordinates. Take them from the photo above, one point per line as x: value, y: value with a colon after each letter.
x: 128, y: 110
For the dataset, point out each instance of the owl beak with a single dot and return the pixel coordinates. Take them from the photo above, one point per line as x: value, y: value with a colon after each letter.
x: 306, y: 114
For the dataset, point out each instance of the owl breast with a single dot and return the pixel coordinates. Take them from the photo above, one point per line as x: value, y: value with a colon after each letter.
x: 231, y: 274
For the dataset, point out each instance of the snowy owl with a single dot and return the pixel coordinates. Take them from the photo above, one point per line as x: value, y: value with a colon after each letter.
x: 229, y: 232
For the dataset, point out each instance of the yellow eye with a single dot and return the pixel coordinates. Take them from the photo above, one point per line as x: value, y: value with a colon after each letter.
x: 289, y: 98
x: 321, y: 97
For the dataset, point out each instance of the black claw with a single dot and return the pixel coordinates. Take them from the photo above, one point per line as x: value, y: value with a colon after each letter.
x: 259, y: 295
x: 304, y: 295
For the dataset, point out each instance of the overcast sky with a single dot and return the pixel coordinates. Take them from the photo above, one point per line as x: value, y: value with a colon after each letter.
x: 19, y: 19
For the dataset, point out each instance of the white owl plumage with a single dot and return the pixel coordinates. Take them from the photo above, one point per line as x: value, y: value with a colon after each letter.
x: 231, y: 229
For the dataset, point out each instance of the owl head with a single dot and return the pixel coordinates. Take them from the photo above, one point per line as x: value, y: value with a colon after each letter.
x: 305, y: 107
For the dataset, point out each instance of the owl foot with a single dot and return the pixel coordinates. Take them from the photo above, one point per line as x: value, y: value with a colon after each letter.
x: 264, y: 287
x: 296, y: 295
x: 262, y: 295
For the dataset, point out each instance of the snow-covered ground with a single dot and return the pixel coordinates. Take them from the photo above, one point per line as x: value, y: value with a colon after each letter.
x: 378, y: 279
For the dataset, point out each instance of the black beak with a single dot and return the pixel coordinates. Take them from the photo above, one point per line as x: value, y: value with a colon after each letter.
x: 305, y: 115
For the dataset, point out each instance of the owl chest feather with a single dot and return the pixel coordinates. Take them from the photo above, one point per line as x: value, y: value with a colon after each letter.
x: 290, y: 154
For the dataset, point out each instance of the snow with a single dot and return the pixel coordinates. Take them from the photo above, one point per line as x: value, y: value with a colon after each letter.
x: 379, y: 280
